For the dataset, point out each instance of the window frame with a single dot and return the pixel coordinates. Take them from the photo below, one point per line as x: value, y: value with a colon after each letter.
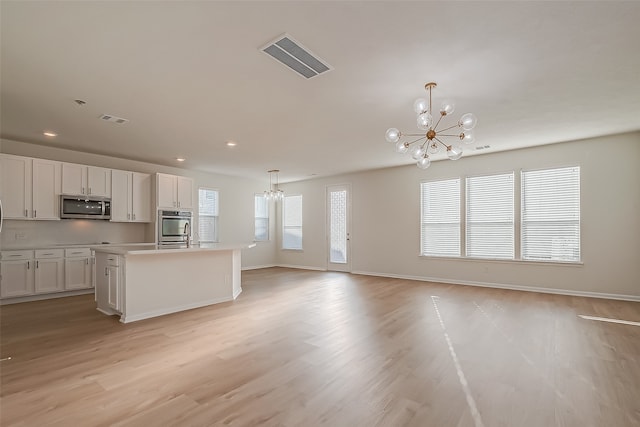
x: 257, y: 218
x: 216, y: 218
x: 459, y: 222
x: 518, y: 232
x: 284, y: 226
x: 579, y: 220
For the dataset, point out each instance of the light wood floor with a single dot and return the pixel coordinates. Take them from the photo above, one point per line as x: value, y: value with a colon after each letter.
x: 302, y: 348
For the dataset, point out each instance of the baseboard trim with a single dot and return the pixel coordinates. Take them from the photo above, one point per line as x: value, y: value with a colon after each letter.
x: 162, y: 312
x: 301, y: 267
x: 258, y: 267
x: 40, y: 297
x: 567, y: 292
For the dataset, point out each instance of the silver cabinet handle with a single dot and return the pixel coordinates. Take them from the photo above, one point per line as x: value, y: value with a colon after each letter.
x: 28, y: 265
x: 26, y: 213
x: 35, y: 214
x: 134, y: 216
x: 127, y: 216
x: 82, y: 190
x: 37, y: 264
x: 106, y: 271
x: 15, y: 255
x: 86, y: 261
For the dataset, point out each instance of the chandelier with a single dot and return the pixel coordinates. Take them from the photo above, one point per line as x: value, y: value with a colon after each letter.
x: 430, y: 143
x: 274, y: 192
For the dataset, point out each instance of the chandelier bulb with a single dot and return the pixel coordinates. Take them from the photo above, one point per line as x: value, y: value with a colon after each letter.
x: 424, y: 121
x: 421, y: 106
x: 447, y: 107
x: 468, y: 137
x: 424, y: 162
x: 468, y: 121
x: 454, y: 152
x: 402, y: 147
x: 392, y: 135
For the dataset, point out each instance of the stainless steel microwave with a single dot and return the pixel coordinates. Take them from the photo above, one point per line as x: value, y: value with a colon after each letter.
x: 83, y: 207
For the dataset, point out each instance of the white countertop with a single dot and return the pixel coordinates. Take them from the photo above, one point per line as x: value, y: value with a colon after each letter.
x: 149, y: 249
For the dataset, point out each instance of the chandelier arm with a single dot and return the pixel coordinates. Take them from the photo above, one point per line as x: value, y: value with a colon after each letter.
x: 450, y: 127
x: 449, y: 134
x: 441, y: 142
x: 416, y: 140
x: 438, y: 122
x: 414, y: 134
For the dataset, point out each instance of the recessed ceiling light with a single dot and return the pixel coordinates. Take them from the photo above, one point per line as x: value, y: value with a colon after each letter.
x: 180, y: 159
x: 231, y: 143
x: 51, y: 134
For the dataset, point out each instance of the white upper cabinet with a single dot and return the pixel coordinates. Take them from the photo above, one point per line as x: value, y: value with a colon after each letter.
x: 174, y: 192
x: 46, y: 185
x: 29, y: 188
x: 141, y: 197
x: 131, y: 197
x: 86, y: 180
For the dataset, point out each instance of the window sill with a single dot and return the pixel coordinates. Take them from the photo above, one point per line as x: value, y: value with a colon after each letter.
x: 505, y: 261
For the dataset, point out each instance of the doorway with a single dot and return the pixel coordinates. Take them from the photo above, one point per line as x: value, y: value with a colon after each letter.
x: 339, y: 227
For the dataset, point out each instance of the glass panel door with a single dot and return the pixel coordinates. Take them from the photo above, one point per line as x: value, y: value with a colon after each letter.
x: 339, y: 227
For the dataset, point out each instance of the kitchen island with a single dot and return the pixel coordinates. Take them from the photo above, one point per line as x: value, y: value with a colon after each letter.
x: 140, y: 282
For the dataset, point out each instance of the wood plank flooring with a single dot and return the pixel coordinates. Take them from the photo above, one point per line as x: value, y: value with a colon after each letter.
x: 307, y: 348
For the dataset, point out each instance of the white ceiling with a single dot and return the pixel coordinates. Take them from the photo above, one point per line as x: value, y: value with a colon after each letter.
x: 189, y: 76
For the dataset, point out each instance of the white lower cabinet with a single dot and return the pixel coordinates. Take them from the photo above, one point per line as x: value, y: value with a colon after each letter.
x: 78, y: 269
x: 109, y: 283
x: 49, y: 275
x: 25, y: 273
x: 16, y: 274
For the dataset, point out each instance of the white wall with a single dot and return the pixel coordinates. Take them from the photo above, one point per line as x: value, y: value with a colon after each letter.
x: 385, y: 228
x: 236, y: 221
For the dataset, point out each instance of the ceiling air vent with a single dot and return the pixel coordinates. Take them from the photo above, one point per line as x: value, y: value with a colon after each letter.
x: 295, y: 56
x: 114, y: 119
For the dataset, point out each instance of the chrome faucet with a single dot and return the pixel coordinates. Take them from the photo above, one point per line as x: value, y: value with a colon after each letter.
x: 187, y: 232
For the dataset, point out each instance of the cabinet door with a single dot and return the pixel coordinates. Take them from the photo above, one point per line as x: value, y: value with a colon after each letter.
x: 141, y: 197
x: 99, y: 181
x: 113, y: 278
x: 185, y: 192
x: 120, y: 196
x: 49, y: 275
x: 166, y: 191
x: 77, y: 273
x: 16, y: 278
x: 46, y: 189
x: 74, y: 179
x: 15, y: 186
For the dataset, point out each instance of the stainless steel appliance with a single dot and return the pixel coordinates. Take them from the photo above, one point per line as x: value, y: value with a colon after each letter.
x: 85, y: 207
x: 174, y: 227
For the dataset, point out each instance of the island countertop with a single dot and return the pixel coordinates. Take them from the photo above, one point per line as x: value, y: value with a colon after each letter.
x: 157, y: 249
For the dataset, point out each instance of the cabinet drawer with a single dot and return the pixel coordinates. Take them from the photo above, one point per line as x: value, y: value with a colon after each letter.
x: 113, y: 260
x: 49, y: 253
x: 77, y: 252
x: 16, y: 255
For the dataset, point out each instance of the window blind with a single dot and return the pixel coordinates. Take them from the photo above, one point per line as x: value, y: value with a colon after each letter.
x: 208, y: 215
x: 261, y: 218
x: 292, y: 222
x: 440, y: 218
x: 551, y: 214
x: 489, y: 216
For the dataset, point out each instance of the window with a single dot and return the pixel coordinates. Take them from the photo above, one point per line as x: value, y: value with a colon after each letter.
x: 489, y: 216
x: 551, y: 214
x: 292, y: 222
x: 261, y: 218
x: 208, y: 215
x: 440, y: 234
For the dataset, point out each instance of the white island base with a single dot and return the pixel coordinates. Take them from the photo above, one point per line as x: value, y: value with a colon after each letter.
x: 145, y: 282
